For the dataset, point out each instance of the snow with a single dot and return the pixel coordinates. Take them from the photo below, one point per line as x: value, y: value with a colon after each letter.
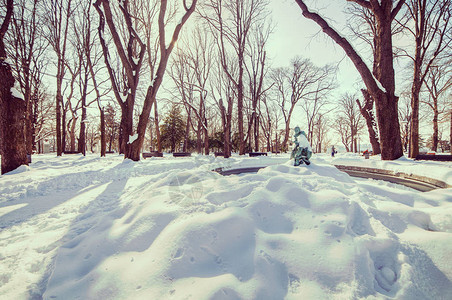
x: 132, y: 138
x: 169, y: 228
x: 124, y: 96
x: 16, y: 93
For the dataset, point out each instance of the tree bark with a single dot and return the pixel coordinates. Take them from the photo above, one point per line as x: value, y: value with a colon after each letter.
x: 450, y: 131
x: 366, y: 112
x: 13, y: 149
x: 82, y: 137
x: 103, y: 141
x: 435, y: 130
x: 157, y: 129
x: 12, y: 110
x: 187, y: 131
x: 206, y: 137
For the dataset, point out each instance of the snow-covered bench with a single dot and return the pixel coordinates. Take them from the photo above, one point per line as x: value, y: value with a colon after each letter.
x: 440, y: 157
x: 181, y: 154
x: 253, y: 154
x: 152, y: 154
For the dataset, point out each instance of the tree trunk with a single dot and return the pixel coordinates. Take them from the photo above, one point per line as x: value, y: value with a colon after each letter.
x: 157, y: 129
x: 435, y: 130
x: 450, y: 131
x: 59, y: 99
x: 224, y: 125
x: 72, y: 134
x: 82, y: 137
x: 414, y: 130
x: 228, y: 129
x: 187, y: 131
x: 287, y: 130
x: 240, y: 105
x: 366, y: 112
x: 29, y: 110
x: 12, y: 112
x: 134, y: 149
x: 63, y: 129
x: 206, y: 137
x: 256, y: 134
x: 103, y: 142
x: 199, y: 131
x: 387, y: 116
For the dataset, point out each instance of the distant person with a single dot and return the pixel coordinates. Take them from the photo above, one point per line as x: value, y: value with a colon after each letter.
x: 333, y: 151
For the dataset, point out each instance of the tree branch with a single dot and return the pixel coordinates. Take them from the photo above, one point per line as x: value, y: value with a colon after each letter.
x: 363, y: 3
x: 396, y: 10
x: 360, y: 65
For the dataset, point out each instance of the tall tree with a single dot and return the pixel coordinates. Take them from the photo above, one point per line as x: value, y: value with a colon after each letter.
x: 58, y: 21
x: 173, y: 129
x: 223, y: 91
x: 381, y: 82
x: 132, y: 65
x: 366, y: 110
x: 351, y: 117
x: 438, y: 82
x: 257, y: 70
x: 130, y: 49
x: 12, y: 109
x: 26, y: 49
x: 231, y: 21
x: 431, y: 26
x: 303, y: 80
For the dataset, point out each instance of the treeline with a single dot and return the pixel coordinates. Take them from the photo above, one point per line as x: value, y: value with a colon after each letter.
x: 107, y: 61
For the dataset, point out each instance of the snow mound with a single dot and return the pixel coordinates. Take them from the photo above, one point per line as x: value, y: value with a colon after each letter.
x: 172, y: 229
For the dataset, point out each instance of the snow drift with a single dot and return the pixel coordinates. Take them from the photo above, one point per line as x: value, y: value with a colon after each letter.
x: 91, y: 228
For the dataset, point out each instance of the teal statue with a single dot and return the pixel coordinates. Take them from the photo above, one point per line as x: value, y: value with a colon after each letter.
x: 302, y: 151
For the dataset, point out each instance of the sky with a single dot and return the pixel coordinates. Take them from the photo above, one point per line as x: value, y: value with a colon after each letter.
x: 295, y: 35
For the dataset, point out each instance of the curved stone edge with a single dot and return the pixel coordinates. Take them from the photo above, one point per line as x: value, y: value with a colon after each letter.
x: 415, y: 177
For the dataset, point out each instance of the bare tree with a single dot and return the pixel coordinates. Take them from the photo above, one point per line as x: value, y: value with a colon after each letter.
x: 438, y: 82
x: 222, y: 88
x: 344, y: 131
x: 58, y: 21
x: 366, y: 110
x: 131, y: 53
x: 44, y: 114
x: 183, y: 77
x: 146, y: 15
x: 231, y: 22
x: 26, y: 49
x: 351, y: 118
x: 431, y: 25
x: 302, y: 81
x: 134, y: 143
x: 257, y: 69
x: 271, y: 117
x: 380, y: 84
x: 405, y: 118
x: 321, y: 128
x: 12, y: 109
x: 363, y: 25
x: 314, y: 102
x: 190, y: 72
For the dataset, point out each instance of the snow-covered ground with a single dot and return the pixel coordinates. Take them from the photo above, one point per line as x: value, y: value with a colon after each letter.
x: 168, y: 228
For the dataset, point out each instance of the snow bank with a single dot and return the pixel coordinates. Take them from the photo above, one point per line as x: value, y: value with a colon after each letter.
x: 432, y: 169
x: 171, y: 229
